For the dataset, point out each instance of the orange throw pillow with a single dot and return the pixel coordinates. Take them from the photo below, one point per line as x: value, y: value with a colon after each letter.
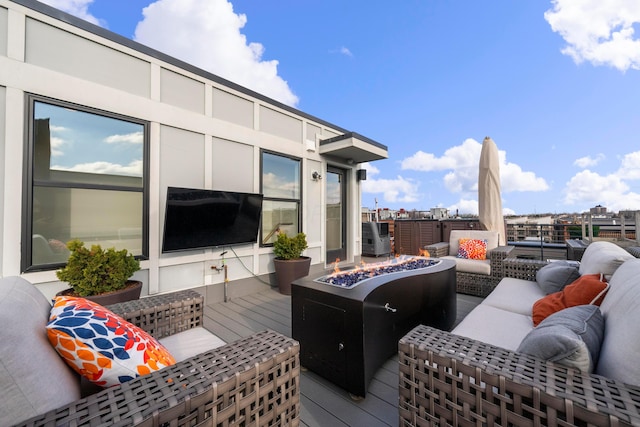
x: 582, y: 291
x: 472, y: 248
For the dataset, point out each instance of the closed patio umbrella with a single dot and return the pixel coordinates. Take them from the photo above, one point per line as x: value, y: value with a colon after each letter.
x: 489, y: 200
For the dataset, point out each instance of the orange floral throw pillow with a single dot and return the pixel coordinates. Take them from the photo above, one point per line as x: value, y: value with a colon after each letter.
x: 100, y: 345
x: 588, y: 289
x: 472, y: 249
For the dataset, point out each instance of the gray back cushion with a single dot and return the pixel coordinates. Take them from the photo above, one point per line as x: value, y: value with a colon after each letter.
x: 33, y: 378
x: 603, y: 258
x: 621, y: 311
x: 554, y: 276
x: 570, y: 337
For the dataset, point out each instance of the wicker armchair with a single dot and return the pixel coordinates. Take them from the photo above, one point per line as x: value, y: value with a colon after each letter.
x: 252, y: 381
x: 473, y: 283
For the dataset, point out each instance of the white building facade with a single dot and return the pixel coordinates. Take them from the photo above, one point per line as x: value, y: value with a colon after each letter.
x: 95, y: 127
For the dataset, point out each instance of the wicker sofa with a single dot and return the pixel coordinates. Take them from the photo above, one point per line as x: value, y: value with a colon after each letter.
x: 252, y: 381
x: 474, y: 277
x: 474, y: 375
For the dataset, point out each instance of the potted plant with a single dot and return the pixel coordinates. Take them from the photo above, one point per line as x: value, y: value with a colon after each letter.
x: 101, y: 275
x: 289, y: 262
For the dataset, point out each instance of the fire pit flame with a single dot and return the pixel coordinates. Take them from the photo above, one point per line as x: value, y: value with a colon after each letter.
x: 351, y: 278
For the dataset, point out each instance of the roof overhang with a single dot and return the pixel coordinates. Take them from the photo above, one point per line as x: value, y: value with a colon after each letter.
x: 353, y: 148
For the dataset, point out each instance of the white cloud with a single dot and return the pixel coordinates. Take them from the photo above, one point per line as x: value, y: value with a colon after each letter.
x: 132, y: 169
x: 371, y: 169
x: 588, y: 161
x: 614, y: 191
x: 464, y: 207
x: 57, y: 145
x: 208, y: 35
x: 462, y: 161
x: 508, y: 212
x: 345, y: 51
x: 130, y: 138
x: 342, y: 50
x: 470, y: 207
x: 598, y: 31
x: 399, y: 190
x: 279, y: 186
x: 77, y: 8
x: 205, y: 34
x: 461, y: 156
x: 513, y: 178
x: 590, y: 188
x: 630, y: 166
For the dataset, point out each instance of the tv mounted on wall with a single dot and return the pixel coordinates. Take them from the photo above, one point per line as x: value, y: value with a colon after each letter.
x: 198, y: 219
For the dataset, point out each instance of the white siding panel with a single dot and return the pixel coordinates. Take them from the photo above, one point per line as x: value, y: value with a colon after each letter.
x: 3, y: 103
x: 232, y: 108
x: 181, y: 159
x: 233, y: 168
x: 312, y: 130
x: 4, y: 26
x: 314, y: 209
x: 183, y: 276
x: 53, y: 48
x: 279, y: 124
x: 181, y: 91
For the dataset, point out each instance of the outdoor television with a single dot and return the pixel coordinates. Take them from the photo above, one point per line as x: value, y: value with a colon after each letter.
x: 197, y: 219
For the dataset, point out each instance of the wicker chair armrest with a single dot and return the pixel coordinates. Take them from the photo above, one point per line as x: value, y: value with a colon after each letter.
x: 634, y: 250
x: 252, y: 381
x: 451, y: 380
x: 437, y: 250
x: 163, y: 315
x: 522, y: 268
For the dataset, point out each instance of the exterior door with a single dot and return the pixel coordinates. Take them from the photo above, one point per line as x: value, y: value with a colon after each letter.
x: 336, y: 227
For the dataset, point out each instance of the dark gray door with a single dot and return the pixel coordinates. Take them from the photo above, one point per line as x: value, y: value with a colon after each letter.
x: 336, y: 214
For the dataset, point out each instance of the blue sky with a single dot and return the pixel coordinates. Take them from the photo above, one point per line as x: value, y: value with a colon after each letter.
x: 556, y: 84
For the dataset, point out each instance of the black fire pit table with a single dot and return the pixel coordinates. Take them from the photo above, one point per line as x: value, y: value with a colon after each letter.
x: 347, y: 333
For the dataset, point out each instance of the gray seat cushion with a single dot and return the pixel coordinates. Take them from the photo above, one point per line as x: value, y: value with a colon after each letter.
x: 33, y: 378
x: 495, y: 326
x: 191, y: 342
x: 515, y: 295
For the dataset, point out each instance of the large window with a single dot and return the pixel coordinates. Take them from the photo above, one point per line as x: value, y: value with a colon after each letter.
x: 281, y: 183
x: 86, y: 180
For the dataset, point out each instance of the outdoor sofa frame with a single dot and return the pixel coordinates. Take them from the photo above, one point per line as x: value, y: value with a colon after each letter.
x: 446, y: 379
x: 253, y: 381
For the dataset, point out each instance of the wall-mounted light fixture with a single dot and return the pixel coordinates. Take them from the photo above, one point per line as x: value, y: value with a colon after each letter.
x: 316, y: 176
x: 361, y: 174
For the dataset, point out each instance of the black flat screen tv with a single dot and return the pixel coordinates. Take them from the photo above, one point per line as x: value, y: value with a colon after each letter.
x: 198, y: 219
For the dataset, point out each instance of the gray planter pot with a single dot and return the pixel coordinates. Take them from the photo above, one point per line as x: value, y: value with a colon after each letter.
x: 131, y: 292
x: 289, y: 270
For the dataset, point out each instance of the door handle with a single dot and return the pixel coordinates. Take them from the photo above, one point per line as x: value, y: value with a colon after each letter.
x: 389, y: 308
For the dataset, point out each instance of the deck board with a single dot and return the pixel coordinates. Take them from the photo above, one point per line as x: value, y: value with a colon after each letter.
x: 322, y: 403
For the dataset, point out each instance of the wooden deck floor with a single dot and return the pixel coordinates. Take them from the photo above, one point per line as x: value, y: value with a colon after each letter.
x: 323, y: 404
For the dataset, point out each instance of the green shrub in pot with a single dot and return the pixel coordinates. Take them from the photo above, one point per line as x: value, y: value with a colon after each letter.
x: 97, y: 271
x: 287, y: 248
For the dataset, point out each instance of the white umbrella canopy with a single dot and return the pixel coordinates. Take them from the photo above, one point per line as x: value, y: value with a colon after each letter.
x: 489, y: 200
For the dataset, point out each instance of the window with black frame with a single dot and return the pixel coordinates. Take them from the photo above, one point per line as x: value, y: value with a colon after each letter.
x: 86, y: 180
x: 281, y: 188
